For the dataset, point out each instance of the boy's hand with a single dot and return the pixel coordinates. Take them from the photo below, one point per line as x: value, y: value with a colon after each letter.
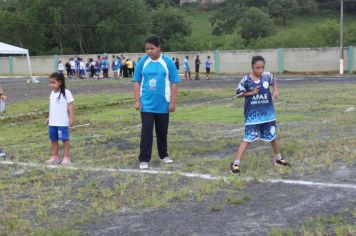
x: 138, y: 105
x: 172, y: 107
x: 71, y: 122
x: 47, y: 121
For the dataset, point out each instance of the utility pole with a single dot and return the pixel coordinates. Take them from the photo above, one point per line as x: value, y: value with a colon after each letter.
x: 341, y: 37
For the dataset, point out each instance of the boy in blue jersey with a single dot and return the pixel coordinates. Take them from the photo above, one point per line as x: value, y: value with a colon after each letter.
x: 117, y: 67
x: 155, y: 89
x: 105, y: 67
x: 186, y: 68
x: 98, y: 67
x: 77, y: 67
x: 207, y: 67
x: 113, y: 66
x: 258, y: 111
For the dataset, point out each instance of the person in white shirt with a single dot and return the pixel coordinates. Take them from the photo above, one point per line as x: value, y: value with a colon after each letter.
x: 72, y: 66
x: 60, y: 67
x: 2, y: 109
x: 61, y: 117
x: 81, y: 69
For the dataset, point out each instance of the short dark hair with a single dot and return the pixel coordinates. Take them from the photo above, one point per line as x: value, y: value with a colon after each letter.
x: 155, y: 40
x: 257, y: 58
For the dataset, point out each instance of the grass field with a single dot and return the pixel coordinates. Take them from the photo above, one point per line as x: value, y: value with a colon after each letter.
x: 316, y: 133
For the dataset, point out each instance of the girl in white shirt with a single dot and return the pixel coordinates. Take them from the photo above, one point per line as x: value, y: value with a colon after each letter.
x: 61, y: 117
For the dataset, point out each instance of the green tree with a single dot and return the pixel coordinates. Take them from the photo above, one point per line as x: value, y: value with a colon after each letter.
x: 327, y: 34
x: 123, y: 27
x: 228, y: 15
x: 81, y: 26
x: 283, y: 9
x: 172, y: 27
x: 350, y: 37
x: 307, y: 6
x: 157, y: 3
x: 255, y: 24
x: 20, y: 27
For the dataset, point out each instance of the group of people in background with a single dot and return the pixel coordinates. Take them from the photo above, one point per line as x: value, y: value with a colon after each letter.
x: 122, y: 67
x: 197, y: 63
x: 95, y: 69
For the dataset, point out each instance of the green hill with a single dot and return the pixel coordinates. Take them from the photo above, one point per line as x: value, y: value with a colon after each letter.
x: 311, y: 30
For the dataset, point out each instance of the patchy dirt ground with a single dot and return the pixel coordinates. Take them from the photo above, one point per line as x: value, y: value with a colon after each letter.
x: 267, y: 205
x: 271, y: 206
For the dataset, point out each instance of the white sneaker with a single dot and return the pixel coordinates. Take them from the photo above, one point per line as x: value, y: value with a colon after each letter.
x: 143, y: 165
x: 167, y: 160
x: 2, y: 154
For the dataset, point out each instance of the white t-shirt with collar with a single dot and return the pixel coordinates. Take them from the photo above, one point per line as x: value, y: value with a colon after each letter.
x: 58, y: 108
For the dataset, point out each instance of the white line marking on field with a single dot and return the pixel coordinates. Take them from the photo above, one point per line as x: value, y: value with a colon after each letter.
x: 154, y: 172
x: 311, y: 183
x: 185, y: 174
x: 77, y: 126
x: 350, y: 109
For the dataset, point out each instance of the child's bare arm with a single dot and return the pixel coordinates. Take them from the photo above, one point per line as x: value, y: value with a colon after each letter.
x: 137, y: 88
x: 2, y: 95
x: 172, y: 104
x: 275, y: 89
x: 250, y: 93
x: 71, y: 114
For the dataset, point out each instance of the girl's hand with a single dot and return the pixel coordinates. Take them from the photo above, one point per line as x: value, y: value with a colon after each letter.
x: 47, y: 121
x: 71, y: 122
x: 172, y: 107
x: 138, y: 105
x: 275, y: 96
x: 255, y: 91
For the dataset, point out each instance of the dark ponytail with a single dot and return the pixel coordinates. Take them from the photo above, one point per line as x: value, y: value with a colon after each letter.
x: 60, y: 77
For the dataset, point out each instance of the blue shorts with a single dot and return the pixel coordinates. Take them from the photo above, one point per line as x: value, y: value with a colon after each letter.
x: 265, y: 131
x: 56, y: 133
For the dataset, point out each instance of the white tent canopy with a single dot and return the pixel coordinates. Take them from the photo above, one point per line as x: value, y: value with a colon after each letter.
x: 13, y: 50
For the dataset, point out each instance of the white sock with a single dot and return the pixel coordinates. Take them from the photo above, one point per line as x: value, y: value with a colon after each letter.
x: 278, y: 157
x: 236, y: 163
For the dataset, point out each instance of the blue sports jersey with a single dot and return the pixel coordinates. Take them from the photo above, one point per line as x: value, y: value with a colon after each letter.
x: 105, y: 64
x: 186, y: 64
x: 155, y: 78
x: 87, y: 67
x: 117, y: 64
x: 207, y: 63
x: 258, y: 108
x: 113, y: 65
x: 98, y: 64
x: 77, y: 65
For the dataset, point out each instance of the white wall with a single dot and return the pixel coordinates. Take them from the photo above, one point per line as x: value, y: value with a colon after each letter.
x: 230, y: 61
